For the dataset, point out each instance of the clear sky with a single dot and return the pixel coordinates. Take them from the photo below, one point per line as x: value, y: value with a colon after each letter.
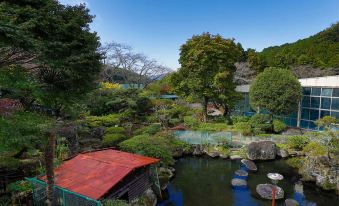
x: 157, y: 28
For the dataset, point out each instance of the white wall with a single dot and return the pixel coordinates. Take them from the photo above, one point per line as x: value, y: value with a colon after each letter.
x: 329, y: 81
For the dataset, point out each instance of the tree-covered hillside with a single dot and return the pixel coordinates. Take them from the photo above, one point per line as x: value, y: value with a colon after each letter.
x: 320, y: 50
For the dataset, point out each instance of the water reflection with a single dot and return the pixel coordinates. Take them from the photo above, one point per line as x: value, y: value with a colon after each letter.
x: 205, y: 181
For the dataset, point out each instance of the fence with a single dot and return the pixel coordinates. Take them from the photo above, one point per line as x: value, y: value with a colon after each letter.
x: 234, y: 139
x: 62, y: 197
x: 201, y: 137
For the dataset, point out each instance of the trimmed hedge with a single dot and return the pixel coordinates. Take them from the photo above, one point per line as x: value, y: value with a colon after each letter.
x: 113, y: 139
x: 112, y: 130
x: 98, y: 121
x: 278, y: 126
x: 297, y: 142
x: 161, y: 146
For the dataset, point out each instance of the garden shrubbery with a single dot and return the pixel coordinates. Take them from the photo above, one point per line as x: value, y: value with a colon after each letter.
x: 258, y: 124
x: 297, y: 142
x: 315, y: 149
x: 150, y: 129
x: 99, y: 121
x: 113, y: 139
x: 278, y: 126
x: 161, y: 145
x: 113, y: 135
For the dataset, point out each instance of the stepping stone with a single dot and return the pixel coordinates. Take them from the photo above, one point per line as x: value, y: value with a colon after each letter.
x: 291, y: 202
x: 235, y: 157
x: 265, y: 191
x: 241, y: 173
x: 237, y: 182
x: 250, y: 165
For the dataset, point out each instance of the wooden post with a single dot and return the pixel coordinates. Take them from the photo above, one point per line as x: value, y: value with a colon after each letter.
x: 273, y: 196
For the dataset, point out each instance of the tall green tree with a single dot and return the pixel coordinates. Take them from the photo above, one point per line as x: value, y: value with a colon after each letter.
x: 52, y: 46
x: 256, y: 61
x: 276, y: 90
x: 48, y: 50
x: 207, y: 69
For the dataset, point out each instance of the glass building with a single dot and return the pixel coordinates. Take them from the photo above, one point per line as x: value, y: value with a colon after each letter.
x: 320, y: 98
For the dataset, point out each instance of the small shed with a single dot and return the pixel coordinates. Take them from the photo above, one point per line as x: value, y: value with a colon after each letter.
x: 105, y: 174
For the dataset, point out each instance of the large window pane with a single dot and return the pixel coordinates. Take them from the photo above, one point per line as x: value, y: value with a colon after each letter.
x: 306, y: 101
x: 305, y: 114
x: 324, y: 113
x: 335, y: 92
x: 335, y: 114
x: 325, y: 103
x: 304, y: 124
x: 315, y: 102
x: 314, y: 114
x: 316, y: 91
x: 293, y: 122
x: 335, y: 104
x: 307, y: 90
x: 326, y: 92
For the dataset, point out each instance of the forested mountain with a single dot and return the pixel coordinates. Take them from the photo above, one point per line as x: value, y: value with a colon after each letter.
x: 320, y: 50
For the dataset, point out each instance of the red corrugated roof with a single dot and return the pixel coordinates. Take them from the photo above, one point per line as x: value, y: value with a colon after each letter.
x: 93, y: 174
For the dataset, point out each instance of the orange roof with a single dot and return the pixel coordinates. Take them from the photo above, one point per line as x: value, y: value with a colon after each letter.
x: 95, y: 173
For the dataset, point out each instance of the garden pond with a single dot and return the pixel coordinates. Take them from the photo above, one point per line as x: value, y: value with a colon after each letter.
x: 205, y: 181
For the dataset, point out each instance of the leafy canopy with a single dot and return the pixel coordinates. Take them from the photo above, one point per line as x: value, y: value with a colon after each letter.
x: 207, y: 68
x: 276, y: 90
x: 52, y: 46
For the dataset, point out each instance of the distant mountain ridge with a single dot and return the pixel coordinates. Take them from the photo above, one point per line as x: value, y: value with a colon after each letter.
x: 320, y: 51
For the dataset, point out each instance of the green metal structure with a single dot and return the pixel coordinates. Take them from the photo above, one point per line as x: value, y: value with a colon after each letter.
x: 62, y: 197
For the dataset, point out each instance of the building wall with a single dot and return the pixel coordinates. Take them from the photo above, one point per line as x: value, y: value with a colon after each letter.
x: 320, y: 98
x: 316, y: 103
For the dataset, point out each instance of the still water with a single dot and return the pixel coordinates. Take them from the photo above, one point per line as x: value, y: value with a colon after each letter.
x: 204, y: 181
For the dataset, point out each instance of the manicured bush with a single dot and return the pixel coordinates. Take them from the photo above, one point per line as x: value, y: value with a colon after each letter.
x: 160, y: 146
x: 112, y: 139
x: 113, y: 130
x: 175, y: 121
x: 295, y: 162
x: 99, y: 121
x: 315, y: 149
x: 152, y: 129
x: 212, y: 127
x: 297, y: 142
x: 260, y: 123
x: 278, y: 126
x: 236, y: 119
x: 191, y: 121
x: 244, y: 127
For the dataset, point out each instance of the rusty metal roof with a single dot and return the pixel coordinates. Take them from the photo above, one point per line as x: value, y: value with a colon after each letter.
x: 93, y: 174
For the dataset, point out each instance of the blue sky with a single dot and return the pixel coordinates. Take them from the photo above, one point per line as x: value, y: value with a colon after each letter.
x: 157, y: 28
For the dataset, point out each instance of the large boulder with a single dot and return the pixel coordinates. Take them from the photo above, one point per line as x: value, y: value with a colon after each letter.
x: 265, y: 191
x: 147, y: 199
x: 198, y: 150
x: 237, y: 182
x: 282, y: 153
x: 251, y: 166
x: 322, y: 170
x: 213, y: 154
x: 262, y: 150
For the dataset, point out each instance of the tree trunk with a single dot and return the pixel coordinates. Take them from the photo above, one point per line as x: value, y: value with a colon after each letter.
x: 271, y: 122
x: 49, y: 162
x: 205, y: 103
x: 227, y: 115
